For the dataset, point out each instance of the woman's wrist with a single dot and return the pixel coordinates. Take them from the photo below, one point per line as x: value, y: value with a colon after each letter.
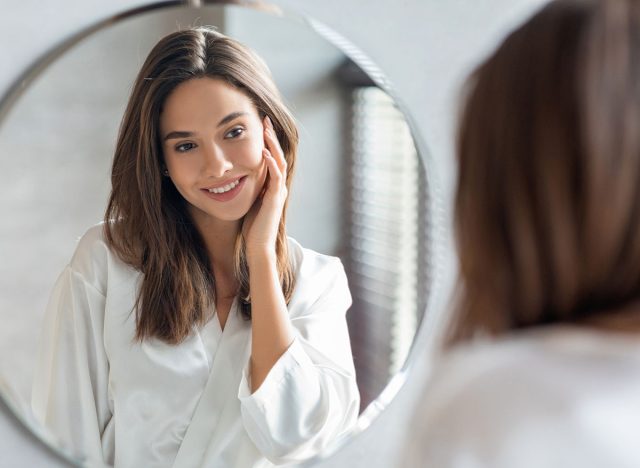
x: 261, y: 255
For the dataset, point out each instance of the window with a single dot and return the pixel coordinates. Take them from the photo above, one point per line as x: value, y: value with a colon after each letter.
x: 386, y: 231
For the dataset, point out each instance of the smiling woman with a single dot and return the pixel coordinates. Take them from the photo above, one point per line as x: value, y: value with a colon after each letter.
x: 354, y: 144
x: 164, y: 385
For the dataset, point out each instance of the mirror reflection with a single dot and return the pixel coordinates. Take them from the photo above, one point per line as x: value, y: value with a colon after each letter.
x: 358, y: 194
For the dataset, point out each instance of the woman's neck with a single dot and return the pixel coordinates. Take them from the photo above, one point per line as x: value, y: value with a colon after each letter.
x: 219, y: 239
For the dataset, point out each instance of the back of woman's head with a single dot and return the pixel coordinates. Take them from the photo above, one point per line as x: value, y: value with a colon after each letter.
x: 548, y: 198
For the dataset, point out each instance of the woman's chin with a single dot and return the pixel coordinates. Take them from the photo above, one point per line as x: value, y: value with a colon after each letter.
x: 229, y: 217
x: 210, y: 218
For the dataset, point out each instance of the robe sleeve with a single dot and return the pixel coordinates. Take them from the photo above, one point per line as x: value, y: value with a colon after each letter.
x: 310, y: 397
x: 70, y: 389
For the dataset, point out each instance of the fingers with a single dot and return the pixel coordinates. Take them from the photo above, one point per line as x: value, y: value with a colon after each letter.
x: 275, y: 174
x: 273, y: 145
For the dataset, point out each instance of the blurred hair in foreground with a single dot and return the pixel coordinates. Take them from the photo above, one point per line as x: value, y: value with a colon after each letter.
x: 547, y: 204
x: 545, y: 371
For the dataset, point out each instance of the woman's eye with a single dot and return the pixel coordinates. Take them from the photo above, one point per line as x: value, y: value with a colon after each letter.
x: 184, y: 147
x: 234, y: 132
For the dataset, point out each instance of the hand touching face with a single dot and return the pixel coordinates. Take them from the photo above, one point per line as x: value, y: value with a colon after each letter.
x: 260, y: 227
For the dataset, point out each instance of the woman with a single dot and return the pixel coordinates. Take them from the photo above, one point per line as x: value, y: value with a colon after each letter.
x: 188, y: 330
x: 545, y: 370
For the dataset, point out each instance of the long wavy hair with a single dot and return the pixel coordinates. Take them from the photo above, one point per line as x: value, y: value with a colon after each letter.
x: 547, y: 207
x: 146, y: 221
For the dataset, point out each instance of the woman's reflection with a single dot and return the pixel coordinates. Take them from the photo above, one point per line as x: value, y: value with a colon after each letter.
x: 188, y: 329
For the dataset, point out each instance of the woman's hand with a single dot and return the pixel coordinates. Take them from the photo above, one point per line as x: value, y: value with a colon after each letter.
x: 271, y: 329
x: 260, y: 226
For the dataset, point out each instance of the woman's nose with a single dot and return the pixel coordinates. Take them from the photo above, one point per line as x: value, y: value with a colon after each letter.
x: 216, y: 162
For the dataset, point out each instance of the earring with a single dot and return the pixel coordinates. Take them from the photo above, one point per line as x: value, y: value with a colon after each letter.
x: 165, y: 173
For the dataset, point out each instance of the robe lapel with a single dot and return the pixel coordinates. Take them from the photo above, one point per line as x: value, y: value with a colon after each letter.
x: 220, y: 392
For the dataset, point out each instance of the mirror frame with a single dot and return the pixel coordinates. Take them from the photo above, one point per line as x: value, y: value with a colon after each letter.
x: 19, y: 421
x: 430, y: 325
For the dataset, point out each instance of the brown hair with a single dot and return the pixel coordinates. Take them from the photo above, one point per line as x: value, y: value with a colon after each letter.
x: 146, y: 221
x: 548, y: 197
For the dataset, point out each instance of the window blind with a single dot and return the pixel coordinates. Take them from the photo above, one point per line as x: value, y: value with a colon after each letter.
x: 385, y: 230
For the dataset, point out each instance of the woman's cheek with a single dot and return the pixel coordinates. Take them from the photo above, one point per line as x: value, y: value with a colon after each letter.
x: 257, y: 153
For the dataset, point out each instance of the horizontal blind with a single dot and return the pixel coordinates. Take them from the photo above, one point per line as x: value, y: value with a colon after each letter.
x: 387, y: 196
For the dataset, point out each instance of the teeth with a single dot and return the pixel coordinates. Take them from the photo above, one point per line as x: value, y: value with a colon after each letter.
x: 226, y: 188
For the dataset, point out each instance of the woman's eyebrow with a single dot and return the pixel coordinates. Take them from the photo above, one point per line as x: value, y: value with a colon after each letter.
x: 230, y: 117
x: 183, y: 134
x: 173, y: 135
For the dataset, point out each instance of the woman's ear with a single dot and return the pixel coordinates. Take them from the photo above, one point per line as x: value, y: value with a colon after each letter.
x: 264, y: 129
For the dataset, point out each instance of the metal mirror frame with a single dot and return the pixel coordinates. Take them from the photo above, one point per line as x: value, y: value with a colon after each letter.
x: 431, y: 322
x: 18, y: 421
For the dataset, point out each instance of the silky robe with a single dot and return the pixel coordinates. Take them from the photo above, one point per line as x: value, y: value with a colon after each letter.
x: 111, y: 399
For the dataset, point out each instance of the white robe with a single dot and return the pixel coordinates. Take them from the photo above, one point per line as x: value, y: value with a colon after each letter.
x: 109, y: 398
x: 554, y: 397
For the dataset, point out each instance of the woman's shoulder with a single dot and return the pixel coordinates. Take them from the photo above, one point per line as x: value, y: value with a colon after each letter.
x: 308, y: 262
x: 519, y: 393
x: 552, y: 362
x: 91, y: 247
x: 317, y: 276
x: 544, y: 348
x: 93, y: 260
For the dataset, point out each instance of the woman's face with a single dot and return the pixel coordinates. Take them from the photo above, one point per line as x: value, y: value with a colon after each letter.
x: 212, y: 139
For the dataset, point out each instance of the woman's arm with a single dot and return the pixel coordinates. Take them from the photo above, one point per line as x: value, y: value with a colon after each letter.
x: 271, y: 331
x: 302, y: 393
x: 271, y: 327
x: 309, y: 398
x: 69, y: 395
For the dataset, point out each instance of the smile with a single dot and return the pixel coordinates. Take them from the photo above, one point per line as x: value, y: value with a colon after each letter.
x: 226, y: 188
x: 226, y: 192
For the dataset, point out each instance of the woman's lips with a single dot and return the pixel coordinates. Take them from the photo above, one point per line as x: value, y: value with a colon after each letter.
x: 226, y: 196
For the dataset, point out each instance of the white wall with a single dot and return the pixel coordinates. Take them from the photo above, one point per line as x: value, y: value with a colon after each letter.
x: 425, y: 47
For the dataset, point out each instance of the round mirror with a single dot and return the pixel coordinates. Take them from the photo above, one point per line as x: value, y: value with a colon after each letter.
x: 359, y: 192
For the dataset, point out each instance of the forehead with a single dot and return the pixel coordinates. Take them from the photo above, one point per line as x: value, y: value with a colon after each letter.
x: 200, y: 100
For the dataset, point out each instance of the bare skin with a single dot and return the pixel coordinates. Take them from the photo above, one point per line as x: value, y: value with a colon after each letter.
x: 200, y: 154
x: 272, y: 332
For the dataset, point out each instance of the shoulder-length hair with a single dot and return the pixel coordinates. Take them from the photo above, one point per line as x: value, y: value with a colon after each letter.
x: 547, y: 209
x: 146, y: 220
